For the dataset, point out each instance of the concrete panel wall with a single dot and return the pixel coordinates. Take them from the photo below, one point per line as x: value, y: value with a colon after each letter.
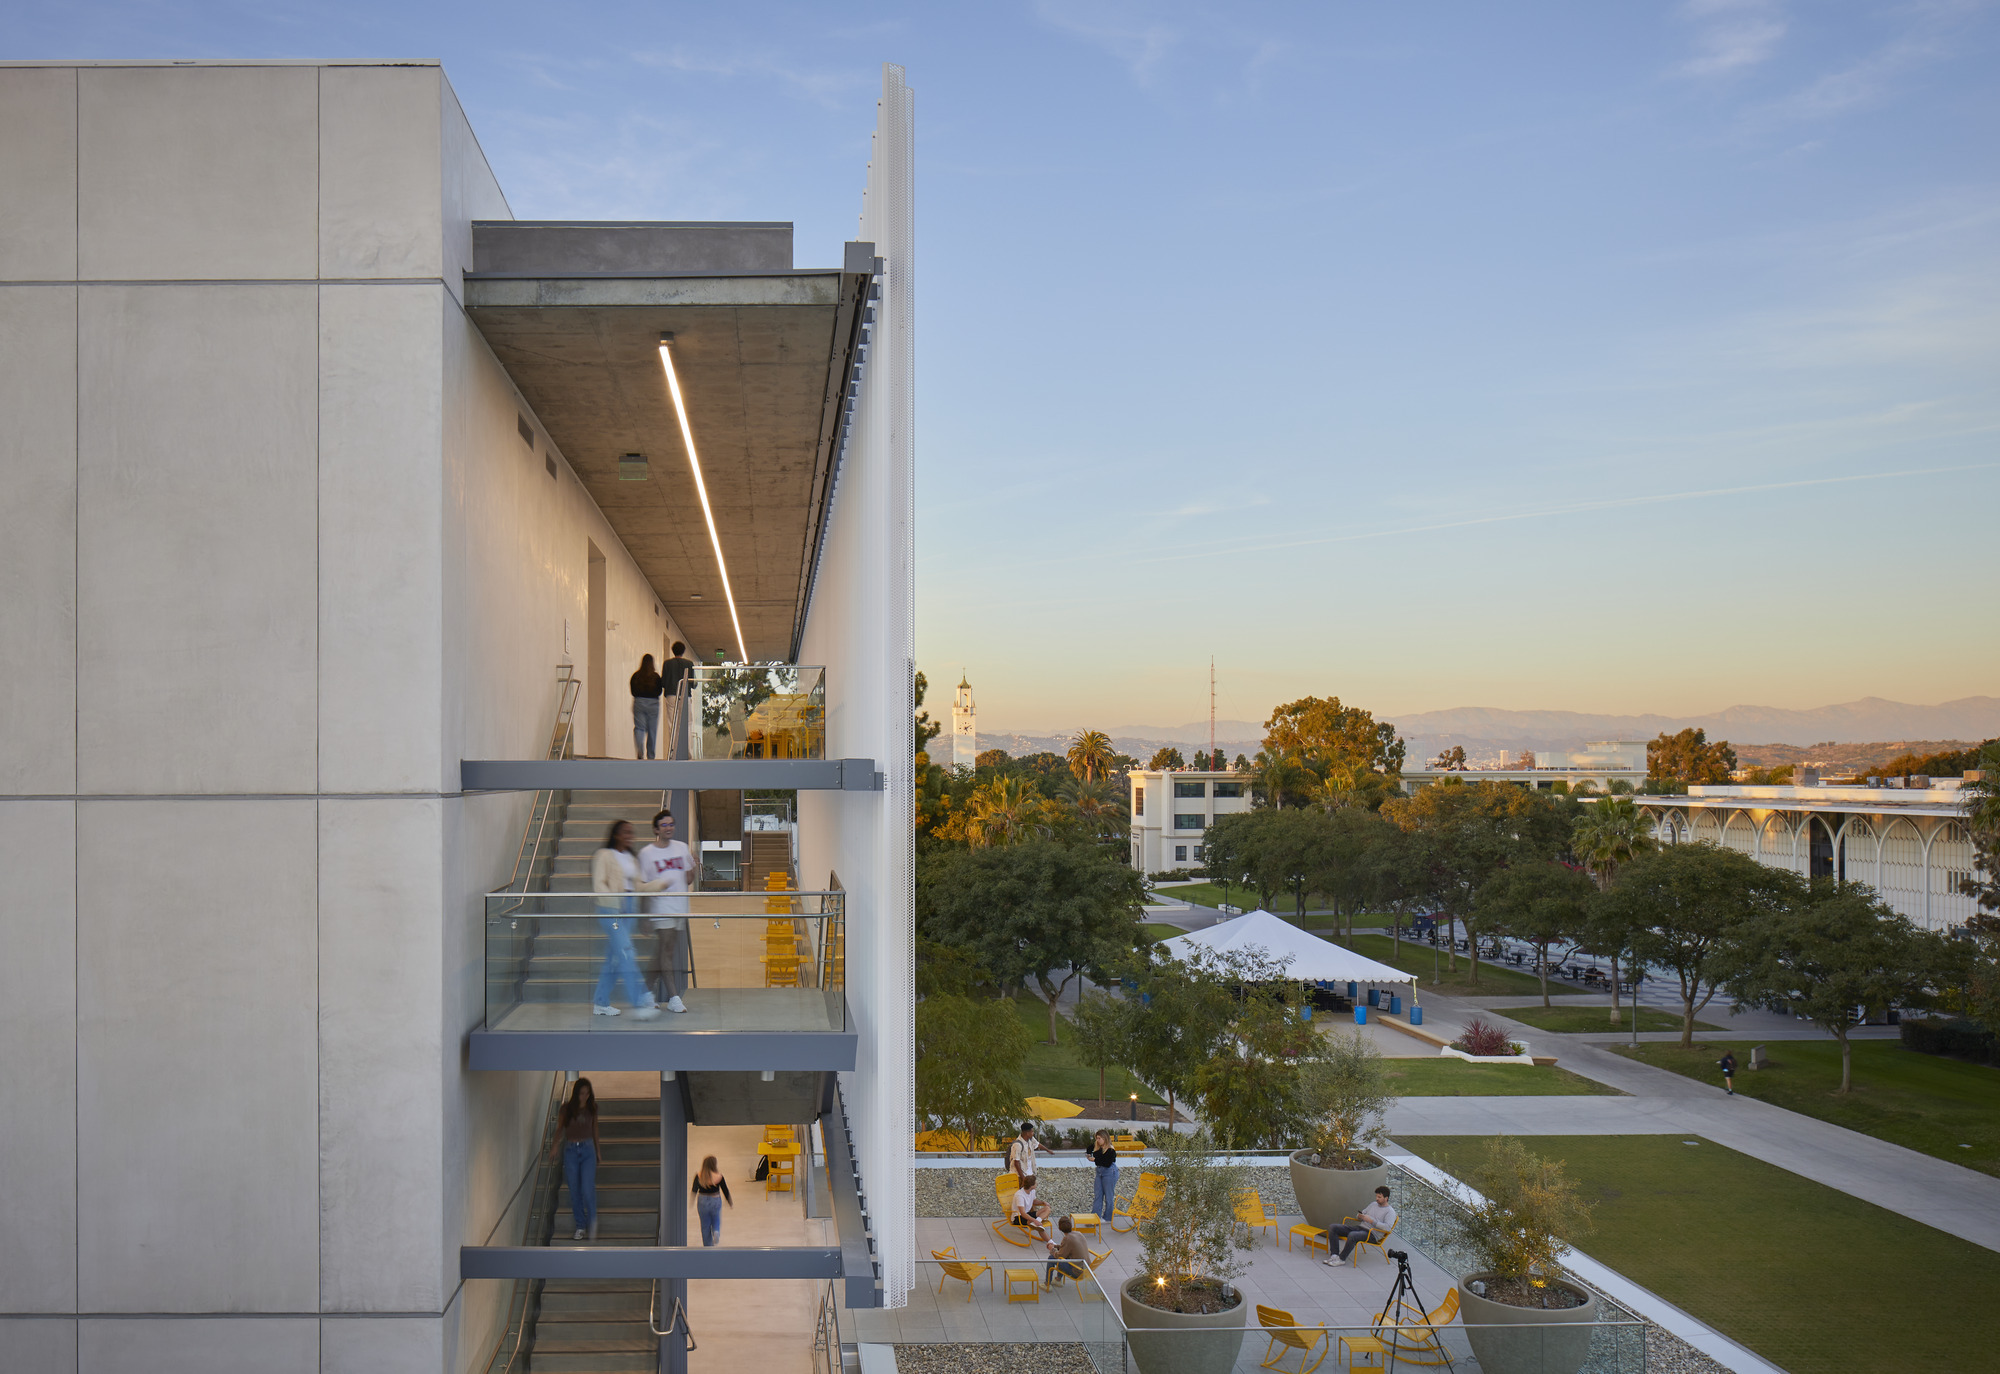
x: 197, y: 173
x: 379, y: 168
x: 380, y: 531
x: 38, y: 168
x: 196, y: 492
x: 197, y: 1056
x: 38, y: 979
x: 38, y: 535
x: 381, y: 879
x: 199, y: 1345
x: 382, y: 1345
x: 470, y: 190
x: 38, y: 1345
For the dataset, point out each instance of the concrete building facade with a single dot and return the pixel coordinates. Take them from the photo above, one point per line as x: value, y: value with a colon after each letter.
x: 1170, y: 810
x: 286, y: 543
x: 1598, y: 765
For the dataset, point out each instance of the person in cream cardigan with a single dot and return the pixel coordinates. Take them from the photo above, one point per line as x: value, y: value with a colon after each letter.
x: 614, y: 878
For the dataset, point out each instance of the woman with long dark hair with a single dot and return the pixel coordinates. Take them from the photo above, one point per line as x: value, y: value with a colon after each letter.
x: 614, y: 877
x: 646, y: 688
x: 576, y: 1138
x: 710, y: 1190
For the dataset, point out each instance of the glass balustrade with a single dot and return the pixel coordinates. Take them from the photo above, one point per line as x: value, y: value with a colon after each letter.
x: 756, y: 711
x: 764, y: 961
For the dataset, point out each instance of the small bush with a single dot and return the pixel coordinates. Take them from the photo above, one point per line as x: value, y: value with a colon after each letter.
x: 1953, y: 1039
x: 1482, y: 1037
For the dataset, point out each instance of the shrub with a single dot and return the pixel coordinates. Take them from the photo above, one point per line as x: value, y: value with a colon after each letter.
x: 1953, y: 1039
x: 1482, y: 1037
x: 1522, y: 1228
x: 1189, y: 1240
x: 1347, y: 1095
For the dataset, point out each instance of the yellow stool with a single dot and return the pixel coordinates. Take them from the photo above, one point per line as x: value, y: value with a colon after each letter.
x: 1030, y: 1277
x: 1313, y: 1238
x: 1351, y: 1346
x: 1086, y: 1222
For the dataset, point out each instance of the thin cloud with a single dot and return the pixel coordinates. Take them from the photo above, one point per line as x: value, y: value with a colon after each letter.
x: 828, y: 88
x: 1141, y: 45
x: 1732, y: 35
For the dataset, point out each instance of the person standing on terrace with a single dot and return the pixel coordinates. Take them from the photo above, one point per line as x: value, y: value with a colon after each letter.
x: 614, y: 876
x: 672, y: 673
x: 646, y: 685
x: 664, y: 866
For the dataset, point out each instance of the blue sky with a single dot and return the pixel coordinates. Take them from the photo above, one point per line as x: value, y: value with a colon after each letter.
x: 1638, y: 357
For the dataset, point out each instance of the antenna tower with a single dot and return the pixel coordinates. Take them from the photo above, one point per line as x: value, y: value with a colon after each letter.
x: 1211, y: 710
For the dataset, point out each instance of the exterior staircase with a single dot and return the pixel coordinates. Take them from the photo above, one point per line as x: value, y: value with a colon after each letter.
x: 765, y: 852
x: 602, y: 1326
x: 563, y: 958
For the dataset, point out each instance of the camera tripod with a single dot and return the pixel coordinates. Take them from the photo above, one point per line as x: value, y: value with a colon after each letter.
x: 1404, y: 1307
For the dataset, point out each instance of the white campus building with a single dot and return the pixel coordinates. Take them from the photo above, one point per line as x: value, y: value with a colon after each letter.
x: 1597, y: 764
x: 1909, y: 844
x: 1171, y: 809
x: 340, y: 506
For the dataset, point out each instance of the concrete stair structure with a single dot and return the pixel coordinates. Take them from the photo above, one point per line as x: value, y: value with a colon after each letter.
x: 601, y: 1326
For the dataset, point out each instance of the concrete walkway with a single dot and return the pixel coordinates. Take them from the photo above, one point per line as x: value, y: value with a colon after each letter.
x: 1951, y: 1198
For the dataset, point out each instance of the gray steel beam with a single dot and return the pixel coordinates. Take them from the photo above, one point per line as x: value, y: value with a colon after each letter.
x: 673, y: 1216
x: 668, y: 775
x: 648, y: 1262
x: 658, y: 1050
x: 850, y: 1224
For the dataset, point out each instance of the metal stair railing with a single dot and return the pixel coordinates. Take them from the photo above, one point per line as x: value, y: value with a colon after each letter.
x: 537, y: 1228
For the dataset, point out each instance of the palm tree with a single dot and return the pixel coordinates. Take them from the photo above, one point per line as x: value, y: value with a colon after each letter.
x: 1005, y: 811
x: 1091, y: 755
x: 1273, y: 775
x: 1099, y: 805
x: 1612, y: 833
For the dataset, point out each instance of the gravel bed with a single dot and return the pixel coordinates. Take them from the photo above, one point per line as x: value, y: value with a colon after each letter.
x: 1055, y: 1357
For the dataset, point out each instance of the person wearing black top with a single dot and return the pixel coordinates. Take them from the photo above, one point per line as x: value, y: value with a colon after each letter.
x: 646, y: 686
x: 710, y: 1190
x: 1105, y: 1192
x: 671, y: 674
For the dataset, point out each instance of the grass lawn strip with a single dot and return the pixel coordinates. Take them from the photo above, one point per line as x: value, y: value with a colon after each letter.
x: 1811, y: 1279
x: 1157, y: 931
x: 1595, y: 1019
x: 1054, y: 1070
x: 1494, y: 980
x: 1919, y: 1101
x: 1446, y: 1077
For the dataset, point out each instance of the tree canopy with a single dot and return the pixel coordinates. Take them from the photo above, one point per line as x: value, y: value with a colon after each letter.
x: 1689, y: 758
x: 1322, y: 734
x: 1164, y: 758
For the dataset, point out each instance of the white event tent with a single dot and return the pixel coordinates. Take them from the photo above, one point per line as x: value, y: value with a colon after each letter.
x: 1312, y: 960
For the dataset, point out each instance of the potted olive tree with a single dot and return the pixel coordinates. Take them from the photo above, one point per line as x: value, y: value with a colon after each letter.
x: 1181, y: 1314
x: 1345, y: 1094
x: 1520, y: 1314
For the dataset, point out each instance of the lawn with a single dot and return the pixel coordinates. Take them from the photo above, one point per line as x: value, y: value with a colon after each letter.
x: 1053, y: 1070
x: 1208, y: 894
x: 1812, y: 1279
x: 1595, y: 1019
x: 1447, y: 1077
x: 1157, y: 931
x: 1494, y: 980
x: 1919, y: 1101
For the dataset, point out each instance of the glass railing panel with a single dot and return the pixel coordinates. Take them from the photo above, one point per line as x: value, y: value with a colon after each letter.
x: 757, y: 711
x: 752, y: 962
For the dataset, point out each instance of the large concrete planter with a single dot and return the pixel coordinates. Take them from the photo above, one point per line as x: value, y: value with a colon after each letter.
x: 1329, y: 1196
x: 1546, y: 1341
x: 1181, y: 1342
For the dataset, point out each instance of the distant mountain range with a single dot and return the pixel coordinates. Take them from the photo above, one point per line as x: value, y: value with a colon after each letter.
x: 1485, y: 729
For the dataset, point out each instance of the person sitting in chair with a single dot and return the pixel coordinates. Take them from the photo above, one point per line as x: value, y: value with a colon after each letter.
x: 1376, y: 1219
x: 1071, y: 1254
x: 1028, y: 1211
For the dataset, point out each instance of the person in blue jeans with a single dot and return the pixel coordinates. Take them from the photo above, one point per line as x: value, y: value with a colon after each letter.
x: 1104, y: 1193
x: 576, y: 1138
x: 710, y: 1190
x: 614, y: 878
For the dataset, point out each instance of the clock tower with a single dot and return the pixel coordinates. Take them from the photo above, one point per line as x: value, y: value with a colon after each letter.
x: 964, y: 734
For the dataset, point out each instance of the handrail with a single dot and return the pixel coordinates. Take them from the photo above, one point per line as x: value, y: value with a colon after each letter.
x: 679, y: 1314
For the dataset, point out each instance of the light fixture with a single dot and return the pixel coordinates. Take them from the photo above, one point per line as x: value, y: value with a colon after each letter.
x: 701, y: 489
x: 768, y: 1075
x: 632, y: 467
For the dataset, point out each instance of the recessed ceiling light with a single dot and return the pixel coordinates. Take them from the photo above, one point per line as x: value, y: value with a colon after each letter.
x: 694, y: 596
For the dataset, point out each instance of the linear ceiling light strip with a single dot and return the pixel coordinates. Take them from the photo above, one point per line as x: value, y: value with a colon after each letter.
x: 701, y: 490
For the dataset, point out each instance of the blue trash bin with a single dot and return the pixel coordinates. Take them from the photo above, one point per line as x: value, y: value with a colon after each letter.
x: 1360, y: 1014
x: 1395, y: 1004
x: 1374, y: 997
x: 1306, y: 1012
x: 1416, y: 1014
x: 1353, y: 991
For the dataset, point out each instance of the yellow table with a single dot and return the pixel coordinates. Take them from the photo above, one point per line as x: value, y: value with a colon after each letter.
x: 1032, y: 1278
x: 1314, y: 1237
x: 1350, y: 1346
x: 1086, y: 1222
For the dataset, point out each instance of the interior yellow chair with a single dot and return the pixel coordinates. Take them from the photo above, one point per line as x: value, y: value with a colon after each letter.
x: 1004, y: 1188
x: 780, y: 1179
x: 1251, y: 1216
x: 1380, y: 1246
x: 965, y: 1271
x: 1145, y: 1201
x: 1280, y: 1330
x: 1419, y: 1342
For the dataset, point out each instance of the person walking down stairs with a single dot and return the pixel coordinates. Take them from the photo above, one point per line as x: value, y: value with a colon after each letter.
x: 576, y: 1138
x: 614, y: 877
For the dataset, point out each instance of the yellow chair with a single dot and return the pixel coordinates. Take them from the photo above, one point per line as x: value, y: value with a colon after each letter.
x: 1283, y: 1337
x: 1122, y: 1143
x: 1380, y: 1246
x: 1145, y: 1201
x: 1090, y: 1279
x: 1311, y: 1236
x: 1251, y: 1216
x: 1419, y: 1342
x: 965, y: 1271
x: 1004, y: 1188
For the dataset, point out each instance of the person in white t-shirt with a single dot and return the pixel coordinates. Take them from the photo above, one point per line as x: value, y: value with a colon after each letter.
x: 666, y: 861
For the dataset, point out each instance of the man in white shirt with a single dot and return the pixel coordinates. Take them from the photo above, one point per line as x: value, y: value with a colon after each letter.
x: 1376, y: 1220
x: 1021, y: 1152
x: 1028, y: 1211
x: 664, y: 869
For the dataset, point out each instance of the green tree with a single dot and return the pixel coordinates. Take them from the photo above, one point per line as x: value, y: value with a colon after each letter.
x: 1451, y: 760
x: 1180, y: 1015
x: 1191, y: 1235
x: 1098, y: 1033
x: 1098, y: 808
x: 1606, y: 836
x: 1529, y: 1213
x: 991, y: 758
x: 1091, y: 755
x: 1165, y: 759
x: 1541, y: 903
x: 1838, y: 951
x: 1323, y: 734
x: 1248, y: 1088
x: 969, y: 1066
x: 1345, y: 1095
x: 1689, y: 906
x: 927, y: 729
x: 1277, y: 776
x: 1689, y: 758
x: 1038, y: 910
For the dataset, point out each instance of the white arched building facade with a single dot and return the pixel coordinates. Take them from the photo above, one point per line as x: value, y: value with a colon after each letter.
x: 1910, y: 846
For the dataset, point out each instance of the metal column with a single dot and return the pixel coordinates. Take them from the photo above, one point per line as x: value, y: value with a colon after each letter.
x: 673, y: 1220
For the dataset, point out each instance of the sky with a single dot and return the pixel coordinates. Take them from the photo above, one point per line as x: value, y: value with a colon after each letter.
x: 1611, y: 358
